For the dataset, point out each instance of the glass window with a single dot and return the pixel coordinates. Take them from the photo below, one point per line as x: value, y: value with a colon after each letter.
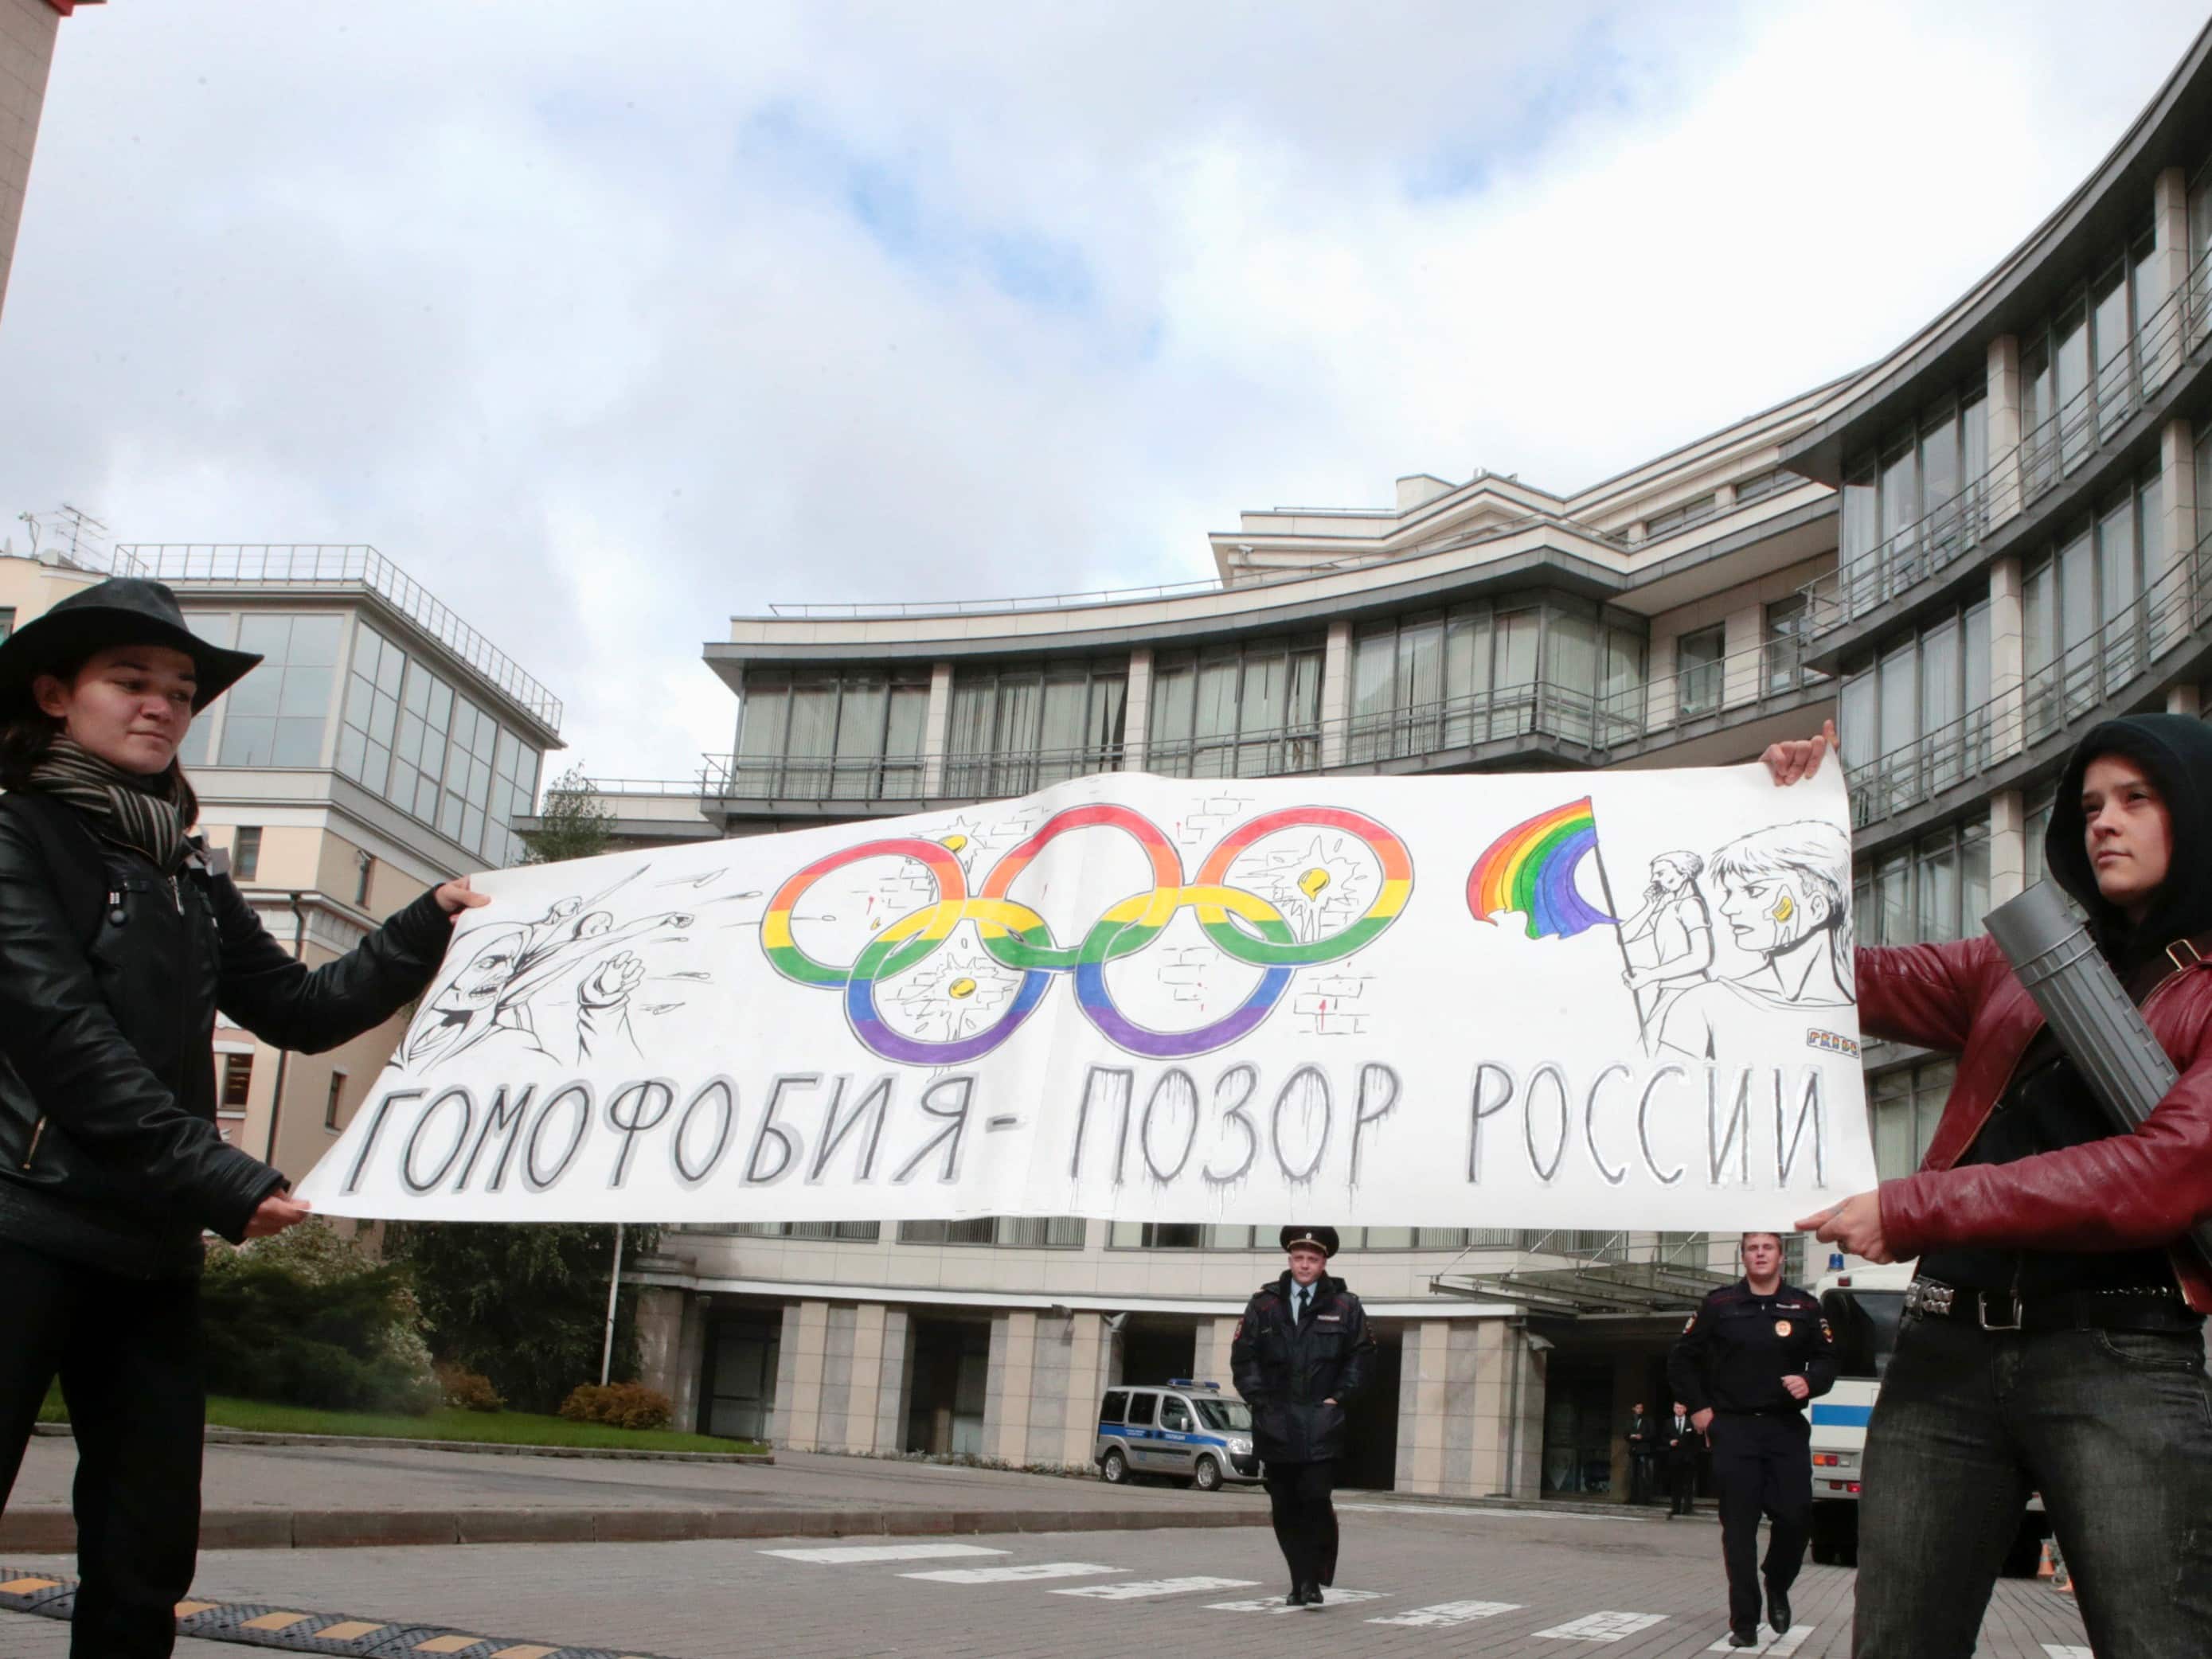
x: 237, y: 1081
x: 1113, y: 1406
x: 1860, y: 529
x: 276, y: 715
x: 1242, y: 710
x: 246, y: 853
x: 1681, y: 516
x: 832, y: 734
x: 1700, y: 657
x: 334, y: 1101
x: 1175, y: 1415
x: 1142, y: 1404
x: 370, y: 719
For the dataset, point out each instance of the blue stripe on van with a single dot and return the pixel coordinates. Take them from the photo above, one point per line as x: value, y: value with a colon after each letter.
x: 1843, y: 1417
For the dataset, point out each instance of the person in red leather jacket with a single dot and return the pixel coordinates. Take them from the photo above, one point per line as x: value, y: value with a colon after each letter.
x: 2054, y: 1337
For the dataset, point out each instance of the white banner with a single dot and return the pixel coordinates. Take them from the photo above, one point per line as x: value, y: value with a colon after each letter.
x: 1618, y: 999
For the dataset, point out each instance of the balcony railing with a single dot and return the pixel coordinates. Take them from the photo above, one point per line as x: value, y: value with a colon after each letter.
x: 2082, y: 678
x: 308, y: 565
x: 2176, y: 331
x: 1743, y: 686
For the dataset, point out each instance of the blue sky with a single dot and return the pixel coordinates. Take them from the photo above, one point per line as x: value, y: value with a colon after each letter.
x: 606, y: 323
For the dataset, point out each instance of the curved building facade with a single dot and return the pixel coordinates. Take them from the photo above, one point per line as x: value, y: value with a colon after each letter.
x: 1966, y: 553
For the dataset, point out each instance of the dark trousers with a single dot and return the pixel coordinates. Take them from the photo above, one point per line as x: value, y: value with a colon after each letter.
x: 1305, y: 1519
x: 2114, y: 1428
x: 1761, y: 1465
x: 128, y: 1354
x: 1682, y: 1486
x: 1639, y: 1476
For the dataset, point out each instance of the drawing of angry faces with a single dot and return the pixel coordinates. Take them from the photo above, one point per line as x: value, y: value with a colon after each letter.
x: 1782, y: 887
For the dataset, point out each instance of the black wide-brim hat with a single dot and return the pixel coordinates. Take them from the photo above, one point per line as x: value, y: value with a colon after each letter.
x: 121, y: 611
x: 1312, y: 1239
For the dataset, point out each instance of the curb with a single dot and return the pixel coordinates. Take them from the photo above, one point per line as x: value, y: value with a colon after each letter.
x: 222, y: 1436
x: 50, y: 1529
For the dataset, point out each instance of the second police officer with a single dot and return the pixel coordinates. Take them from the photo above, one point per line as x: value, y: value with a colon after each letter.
x: 1747, y: 1361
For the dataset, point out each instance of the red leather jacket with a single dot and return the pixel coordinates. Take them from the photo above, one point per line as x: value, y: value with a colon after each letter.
x: 2128, y: 1192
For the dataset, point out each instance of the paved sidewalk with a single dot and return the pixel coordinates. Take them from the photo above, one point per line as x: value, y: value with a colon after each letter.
x: 1415, y: 1581
x: 299, y: 1497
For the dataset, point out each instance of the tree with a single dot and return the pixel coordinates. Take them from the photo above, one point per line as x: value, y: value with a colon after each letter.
x: 573, y: 824
x: 524, y: 1304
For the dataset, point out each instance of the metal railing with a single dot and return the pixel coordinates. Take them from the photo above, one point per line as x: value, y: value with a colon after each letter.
x: 2175, y: 331
x: 1745, y: 685
x: 2079, y: 680
x: 313, y: 565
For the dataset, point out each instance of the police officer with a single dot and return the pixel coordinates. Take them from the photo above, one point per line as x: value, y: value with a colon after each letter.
x: 1746, y: 1363
x: 1302, y: 1351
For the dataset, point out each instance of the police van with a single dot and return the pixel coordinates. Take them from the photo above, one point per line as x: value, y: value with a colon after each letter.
x: 1865, y: 1309
x: 1184, y: 1431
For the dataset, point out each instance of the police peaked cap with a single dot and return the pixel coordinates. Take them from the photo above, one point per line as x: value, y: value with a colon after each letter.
x: 1312, y: 1239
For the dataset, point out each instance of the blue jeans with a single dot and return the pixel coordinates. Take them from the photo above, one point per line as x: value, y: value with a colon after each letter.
x: 2114, y: 1428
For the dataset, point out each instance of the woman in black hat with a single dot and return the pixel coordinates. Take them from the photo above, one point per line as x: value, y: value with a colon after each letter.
x: 1303, y: 1350
x: 119, y: 942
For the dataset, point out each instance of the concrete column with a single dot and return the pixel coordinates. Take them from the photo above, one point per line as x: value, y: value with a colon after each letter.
x: 1723, y: 497
x: 1214, y: 1339
x: 864, y: 1389
x: 1515, y: 1465
x: 2184, y: 700
x: 895, y: 1381
x: 1089, y: 1348
x: 2007, y: 848
x: 2169, y: 196
x: 1335, y: 691
x: 2008, y: 660
x: 2003, y: 414
x: 660, y: 1347
x: 691, y: 1361
x: 937, y: 729
x: 799, y: 1376
x: 2177, y: 471
x: 1743, y: 633
x: 1007, y: 1403
x: 1137, y: 710
x: 840, y: 1335
x: 1425, y: 1361
x: 1055, y: 1406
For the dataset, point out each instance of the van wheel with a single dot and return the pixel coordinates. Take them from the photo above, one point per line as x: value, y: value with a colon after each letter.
x: 1206, y: 1476
x: 1114, y: 1469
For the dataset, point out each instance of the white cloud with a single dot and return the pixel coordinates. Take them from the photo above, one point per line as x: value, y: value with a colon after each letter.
x: 605, y: 324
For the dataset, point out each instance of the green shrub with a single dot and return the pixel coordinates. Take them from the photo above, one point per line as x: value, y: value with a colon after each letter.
x: 467, y: 1389
x: 305, y: 1319
x: 618, y: 1404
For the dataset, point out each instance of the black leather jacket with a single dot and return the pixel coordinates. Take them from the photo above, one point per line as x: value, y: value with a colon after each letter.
x: 110, y: 978
x: 1287, y: 1370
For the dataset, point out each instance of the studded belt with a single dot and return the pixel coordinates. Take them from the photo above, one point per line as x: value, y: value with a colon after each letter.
x: 2128, y: 1307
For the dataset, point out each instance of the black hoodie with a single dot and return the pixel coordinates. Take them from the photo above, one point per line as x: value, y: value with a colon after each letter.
x: 2047, y: 1105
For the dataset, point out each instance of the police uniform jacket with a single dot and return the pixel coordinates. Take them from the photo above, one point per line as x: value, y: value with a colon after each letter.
x: 1286, y: 1369
x: 1736, y: 1349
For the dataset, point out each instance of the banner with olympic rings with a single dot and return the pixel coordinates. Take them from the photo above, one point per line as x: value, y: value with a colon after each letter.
x: 1538, y: 1000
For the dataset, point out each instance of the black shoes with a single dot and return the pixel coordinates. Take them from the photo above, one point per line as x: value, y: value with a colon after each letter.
x: 1297, y: 1598
x: 1313, y: 1595
x: 1777, y: 1609
x: 1746, y: 1637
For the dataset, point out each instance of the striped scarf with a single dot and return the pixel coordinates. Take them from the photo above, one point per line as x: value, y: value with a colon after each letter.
x: 142, y: 811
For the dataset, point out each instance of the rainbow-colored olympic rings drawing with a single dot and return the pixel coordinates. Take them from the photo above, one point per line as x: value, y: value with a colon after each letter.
x: 1018, y: 937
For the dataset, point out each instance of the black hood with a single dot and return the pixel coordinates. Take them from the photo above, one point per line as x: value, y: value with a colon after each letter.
x: 2175, y: 751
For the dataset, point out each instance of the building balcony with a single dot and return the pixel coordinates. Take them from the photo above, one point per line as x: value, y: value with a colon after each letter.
x: 2104, y: 424
x: 2164, y: 637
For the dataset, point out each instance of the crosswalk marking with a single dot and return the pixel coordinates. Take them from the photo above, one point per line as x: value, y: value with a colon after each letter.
x: 838, y: 1555
x: 1014, y: 1574
x: 1276, y: 1604
x: 1448, y: 1613
x: 1604, y: 1627
x: 2065, y: 1651
x: 1788, y: 1643
x: 1154, y: 1587
x: 1420, y: 1510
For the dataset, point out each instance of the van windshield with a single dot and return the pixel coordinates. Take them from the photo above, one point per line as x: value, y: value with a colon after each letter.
x: 1228, y: 1414
x: 1865, y: 1324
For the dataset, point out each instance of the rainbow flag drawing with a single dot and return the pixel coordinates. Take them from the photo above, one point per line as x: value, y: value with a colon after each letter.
x: 1531, y: 869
